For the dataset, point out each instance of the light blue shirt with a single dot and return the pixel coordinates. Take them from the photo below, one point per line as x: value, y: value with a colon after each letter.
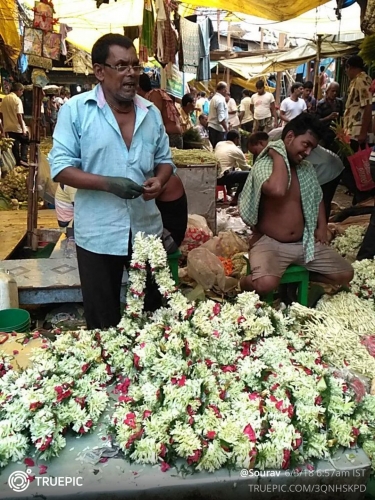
x: 87, y: 136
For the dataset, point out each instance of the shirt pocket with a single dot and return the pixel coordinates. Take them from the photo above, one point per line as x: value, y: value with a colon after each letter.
x: 143, y: 159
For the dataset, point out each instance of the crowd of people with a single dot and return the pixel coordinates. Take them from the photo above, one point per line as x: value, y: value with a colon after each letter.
x: 12, y: 120
x: 124, y: 179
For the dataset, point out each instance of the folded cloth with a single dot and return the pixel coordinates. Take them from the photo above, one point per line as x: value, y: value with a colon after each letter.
x: 311, y: 193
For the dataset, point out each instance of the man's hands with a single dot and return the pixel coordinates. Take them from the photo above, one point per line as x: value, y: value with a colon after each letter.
x: 321, y: 235
x: 152, y: 188
x: 124, y: 188
x: 129, y: 190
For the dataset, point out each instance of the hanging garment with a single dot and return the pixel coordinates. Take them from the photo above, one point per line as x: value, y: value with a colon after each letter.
x: 204, y: 69
x: 23, y: 63
x: 146, y: 32
x: 214, y: 42
x: 190, y: 46
x: 165, y: 37
x: 64, y: 30
x: 368, y: 23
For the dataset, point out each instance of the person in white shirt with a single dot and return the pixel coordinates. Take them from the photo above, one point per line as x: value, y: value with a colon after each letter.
x: 233, y: 120
x: 246, y: 116
x: 14, y: 124
x: 294, y: 105
x: 218, y: 115
x: 230, y: 158
x: 263, y: 108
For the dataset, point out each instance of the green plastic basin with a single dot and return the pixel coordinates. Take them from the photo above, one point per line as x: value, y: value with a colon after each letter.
x: 14, y: 320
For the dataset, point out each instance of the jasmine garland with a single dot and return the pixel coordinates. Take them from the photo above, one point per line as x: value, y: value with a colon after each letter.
x: 230, y: 385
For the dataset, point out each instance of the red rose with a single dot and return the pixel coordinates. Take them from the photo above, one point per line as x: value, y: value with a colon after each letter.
x: 43, y: 469
x: 130, y: 420
x: 195, y: 457
x: 249, y: 432
x: 163, y: 450
x: 35, y: 406
x: 85, y: 367
x: 286, y: 459
x: 164, y: 466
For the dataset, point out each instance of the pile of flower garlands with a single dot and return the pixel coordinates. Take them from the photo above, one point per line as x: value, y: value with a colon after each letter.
x: 208, y: 385
x: 348, y: 243
x: 343, y: 327
x: 363, y: 283
x: 65, y: 388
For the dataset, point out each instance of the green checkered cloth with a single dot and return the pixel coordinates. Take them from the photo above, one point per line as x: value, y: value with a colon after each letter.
x: 311, y: 193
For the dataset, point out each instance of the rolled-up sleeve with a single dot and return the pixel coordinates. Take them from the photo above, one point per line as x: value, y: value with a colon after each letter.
x: 163, y: 151
x: 66, y: 150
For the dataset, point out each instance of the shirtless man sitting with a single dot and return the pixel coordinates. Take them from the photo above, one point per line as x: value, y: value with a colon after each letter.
x: 282, y: 202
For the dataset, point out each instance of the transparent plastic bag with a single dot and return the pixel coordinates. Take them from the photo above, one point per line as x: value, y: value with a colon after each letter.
x: 213, y: 245
x: 358, y: 383
x: 46, y: 186
x: 231, y: 244
x: 197, y: 233
x: 206, y: 269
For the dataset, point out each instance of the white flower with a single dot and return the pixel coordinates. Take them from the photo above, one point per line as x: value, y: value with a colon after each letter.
x: 348, y: 243
x: 186, y: 441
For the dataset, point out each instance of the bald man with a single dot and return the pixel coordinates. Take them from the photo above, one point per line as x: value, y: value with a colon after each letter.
x: 329, y: 110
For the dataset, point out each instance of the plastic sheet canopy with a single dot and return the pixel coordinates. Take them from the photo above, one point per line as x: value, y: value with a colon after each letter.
x: 276, y: 10
x: 250, y: 67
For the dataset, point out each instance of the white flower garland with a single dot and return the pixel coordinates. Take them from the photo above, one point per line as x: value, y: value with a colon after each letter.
x: 363, y: 283
x: 348, y: 243
x: 65, y: 388
x: 147, y: 250
x: 237, y: 385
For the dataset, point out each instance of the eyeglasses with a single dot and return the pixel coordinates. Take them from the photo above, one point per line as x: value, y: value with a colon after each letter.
x: 121, y: 68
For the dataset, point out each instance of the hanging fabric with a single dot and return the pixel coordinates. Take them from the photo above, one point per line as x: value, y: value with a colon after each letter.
x: 190, y: 45
x: 368, y: 22
x: 165, y: 38
x: 214, y: 42
x: 146, y: 32
x: 64, y: 30
x: 204, y: 69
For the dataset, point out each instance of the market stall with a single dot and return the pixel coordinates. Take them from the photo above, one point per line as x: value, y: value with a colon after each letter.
x: 197, y: 170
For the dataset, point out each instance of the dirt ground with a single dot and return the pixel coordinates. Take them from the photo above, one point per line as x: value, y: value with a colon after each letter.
x: 342, y: 199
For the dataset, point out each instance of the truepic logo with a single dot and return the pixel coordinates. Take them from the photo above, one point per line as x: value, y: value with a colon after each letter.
x: 19, y: 481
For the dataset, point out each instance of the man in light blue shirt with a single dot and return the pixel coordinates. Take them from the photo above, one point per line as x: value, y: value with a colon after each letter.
x: 111, y: 145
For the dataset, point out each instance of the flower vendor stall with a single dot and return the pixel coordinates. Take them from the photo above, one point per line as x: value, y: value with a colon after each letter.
x: 199, y: 398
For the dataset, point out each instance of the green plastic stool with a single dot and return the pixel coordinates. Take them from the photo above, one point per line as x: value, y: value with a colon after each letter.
x: 173, y: 259
x: 293, y: 274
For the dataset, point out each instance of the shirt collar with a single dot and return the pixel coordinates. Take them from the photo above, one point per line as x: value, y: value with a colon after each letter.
x: 97, y: 95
